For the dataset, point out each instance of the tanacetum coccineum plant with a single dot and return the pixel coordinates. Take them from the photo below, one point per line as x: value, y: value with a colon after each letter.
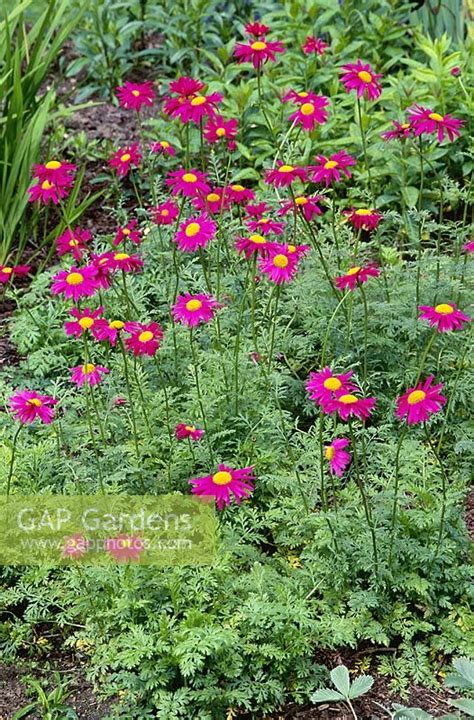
x: 266, y: 337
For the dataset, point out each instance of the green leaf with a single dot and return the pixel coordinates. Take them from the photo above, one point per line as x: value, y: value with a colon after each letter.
x: 340, y: 678
x: 360, y: 685
x: 326, y: 695
x: 467, y: 706
x: 410, y: 195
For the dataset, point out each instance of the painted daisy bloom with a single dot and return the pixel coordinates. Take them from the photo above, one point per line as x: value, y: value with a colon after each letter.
x: 165, y: 214
x: 356, y: 275
x: 314, y: 45
x: 194, y: 233
x: 47, y: 190
x: 400, y: 131
x: 310, y: 114
x: 191, y: 310
x: 88, y: 374
x: 339, y: 459
x: 284, y: 175
x: 188, y: 183
x: 307, y: 206
x: 418, y: 403
x: 163, y: 147
x: 424, y: 120
x: 224, y: 484
x: 322, y: 384
x: 347, y: 405
x: 217, y: 129
x: 183, y: 431
x: 198, y: 107
x: 185, y: 88
x: 469, y: 246
x: 76, y: 282
x: 101, y: 265
x: 125, y: 548
x: 27, y: 405
x: 144, y: 339
x: 124, y: 261
x: 329, y: 169
x: 128, y: 233
x: 73, y: 242
x: 126, y: 158
x: 280, y: 265
x: 84, y: 320
x: 240, y: 195
x: 444, y: 317
x: 252, y: 245
x: 298, y: 97
x: 257, y: 221
x: 8, y: 271
x: 258, y: 52
x: 55, y: 171
x: 214, y: 202
x: 256, y: 29
x: 361, y: 78
x: 108, y: 330
x: 133, y: 95
x: 364, y: 218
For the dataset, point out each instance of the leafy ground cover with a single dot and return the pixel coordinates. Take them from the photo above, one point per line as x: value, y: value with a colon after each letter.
x: 268, y: 305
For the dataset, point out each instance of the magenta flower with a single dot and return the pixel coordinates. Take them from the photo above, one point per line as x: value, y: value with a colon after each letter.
x: 361, y: 78
x: 88, y: 374
x: 27, y: 405
x: 84, y: 321
x: 444, y: 317
x: 469, y: 246
x: 128, y: 233
x: 285, y: 175
x: 256, y: 29
x: 424, y: 120
x: 76, y: 282
x: 46, y: 190
x: 364, y: 218
x: 225, y: 483
x: 74, y: 242
x: 163, y: 147
x: 298, y: 97
x: 8, y: 271
x: 400, y: 131
x: 314, y: 45
x: 133, y: 95
x: 189, y: 183
x: 418, y: 403
x: 312, y: 113
x: 198, y: 107
x: 330, y: 168
x: 217, y: 129
x: 165, y: 214
x: 257, y: 221
x: 356, y: 275
x: 108, y: 330
x: 56, y: 172
x: 125, y: 548
x: 125, y: 158
x: 240, y: 195
x: 144, y: 339
x: 191, y: 310
x: 194, y: 233
x: 338, y: 458
x: 307, y: 206
x: 258, y: 52
x: 183, y: 431
x: 280, y: 265
x: 348, y: 405
x: 252, y: 245
x: 322, y: 385
x: 214, y: 202
x: 124, y: 261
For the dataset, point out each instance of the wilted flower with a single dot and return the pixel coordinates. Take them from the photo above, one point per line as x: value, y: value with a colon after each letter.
x: 314, y: 45
x: 7, y: 272
x: 128, y: 233
x: 73, y: 242
x: 183, y: 431
x: 400, y: 131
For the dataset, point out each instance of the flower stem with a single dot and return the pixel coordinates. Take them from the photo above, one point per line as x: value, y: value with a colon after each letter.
x: 366, y: 324
x: 12, y: 459
x: 130, y: 398
x: 273, y: 324
x: 444, y: 486
x: 395, y: 493
x: 198, y: 390
x: 364, y: 145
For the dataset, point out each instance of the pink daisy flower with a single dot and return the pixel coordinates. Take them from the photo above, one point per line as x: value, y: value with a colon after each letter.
x: 444, y: 317
x: 217, y: 129
x: 256, y: 29
x: 424, y: 120
x: 214, y: 202
x: 124, y: 261
x: 186, y: 86
x: 258, y: 52
x: 400, y: 131
x: 280, y: 265
x: 88, y: 374
x: 46, y: 190
x: 76, y: 283
x: 308, y: 206
x: 60, y: 173
x: 312, y: 113
x: 133, y: 95
x: 355, y: 275
x: 364, y: 218
x: 225, y: 483
x: 191, y: 310
x: 469, y: 246
x: 298, y: 97
x: 252, y: 245
x: 285, y: 175
x: 84, y: 321
x: 125, y: 548
x: 361, y: 78
x: 314, y: 45
x: 348, y: 405
x: 27, y: 405
x: 144, y: 339
x: 108, y: 330
x: 418, y: 403
x: 338, y: 458
x: 163, y: 147
x: 194, y: 233
x: 183, y: 431
x: 165, y: 214
x: 8, y: 271
x: 240, y: 195
x: 198, y: 107
x: 322, y: 385
x: 101, y: 265
x: 126, y: 158
x: 128, y: 233
x: 330, y: 168
x: 189, y: 183
x: 73, y: 241
x: 257, y: 221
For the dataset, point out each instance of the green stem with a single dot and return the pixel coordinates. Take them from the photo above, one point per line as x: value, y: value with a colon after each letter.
x: 199, y: 394
x: 366, y: 334
x: 130, y: 398
x: 395, y: 494
x: 12, y: 459
x: 444, y: 485
x: 364, y: 145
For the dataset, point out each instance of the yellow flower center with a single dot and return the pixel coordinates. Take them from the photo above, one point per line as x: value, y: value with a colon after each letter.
x: 307, y: 109
x: 257, y: 239
x: 88, y: 368
x: 121, y: 256
x: 53, y: 165
x: 135, y: 93
x: 125, y: 157
x: 164, y: 144
x: 365, y: 76
x: 74, y: 278
x: 213, y: 197
x: 330, y: 452
x: 193, y: 305
x: 303, y: 94
x: 415, y: 397
x: 286, y: 168
x: 222, y: 477
x: 280, y: 261
x: 363, y: 212
x: 264, y: 221
x: 291, y: 249
x: 189, y: 428
x: 190, y: 177
x: 332, y: 383
x: 73, y: 243
x: 192, y: 229
x: 405, y: 125
x: 46, y: 185
x: 444, y: 309
x: 36, y: 402
x: 126, y: 231
x: 330, y: 164
x: 348, y: 399
x: 220, y: 132
x: 145, y: 336
x: 7, y: 270
x: 301, y: 200
x: 86, y: 323
x: 436, y: 116
x: 237, y: 188
x: 258, y: 45
x: 353, y: 271
x: 165, y: 213
x: 116, y: 324
x: 199, y: 100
